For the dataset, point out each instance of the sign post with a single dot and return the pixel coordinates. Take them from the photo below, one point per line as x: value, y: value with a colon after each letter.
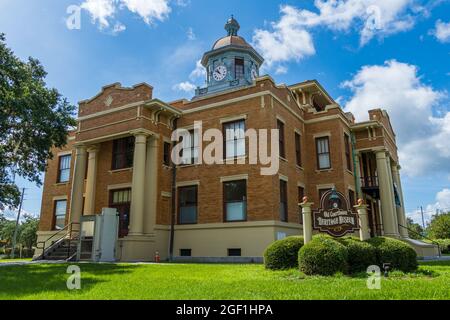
x: 307, y: 219
x: 363, y: 220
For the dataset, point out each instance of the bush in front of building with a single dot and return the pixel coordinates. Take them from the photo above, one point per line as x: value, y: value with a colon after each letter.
x: 283, y: 254
x: 400, y: 255
x: 26, y: 253
x: 361, y: 254
x: 323, y: 256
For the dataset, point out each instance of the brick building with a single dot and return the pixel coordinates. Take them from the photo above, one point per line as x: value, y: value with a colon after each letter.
x: 119, y: 157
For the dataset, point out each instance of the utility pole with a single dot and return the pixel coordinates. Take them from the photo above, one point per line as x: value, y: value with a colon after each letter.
x: 423, y: 219
x: 17, y: 224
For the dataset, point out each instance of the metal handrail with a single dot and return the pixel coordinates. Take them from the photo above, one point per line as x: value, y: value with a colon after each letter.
x: 369, y: 182
x: 69, y: 232
x: 426, y: 238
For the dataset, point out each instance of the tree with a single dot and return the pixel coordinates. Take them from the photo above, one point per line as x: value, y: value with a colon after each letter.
x: 33, y: 119
x: 439, y: 227
x: 28, y: 232
x: 415, y: 230
x: 7, y: 231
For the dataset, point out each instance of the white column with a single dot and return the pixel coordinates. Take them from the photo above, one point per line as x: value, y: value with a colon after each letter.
x: 89, y: 201
x: 391, y: 186
x: 358, y: 176
x: 401, y: 215
x: 307, y: 220
x: 363, y: 221
x: 76, y: 198
x: 151, y: 184
x: 138, y: 185
x: 387, y: 197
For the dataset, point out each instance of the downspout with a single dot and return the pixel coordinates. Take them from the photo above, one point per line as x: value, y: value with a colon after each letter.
x: 174, y: 192
x: 356, y: 170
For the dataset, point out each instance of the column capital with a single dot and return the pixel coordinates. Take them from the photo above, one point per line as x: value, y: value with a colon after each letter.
x: 140, y: 132
x: 93, y: 149
x: 80, y: 146
x: 361, y: 207
x: 306, y: 204
x: 381, y: 154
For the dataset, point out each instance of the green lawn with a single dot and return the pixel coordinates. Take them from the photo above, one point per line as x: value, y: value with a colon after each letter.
x: 14, y: 260
x: 222, y: 282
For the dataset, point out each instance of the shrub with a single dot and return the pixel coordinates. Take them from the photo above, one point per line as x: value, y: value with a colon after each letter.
x: 323, y: 256
x: 26, y: 253
x: 400, y: 255
x: 283, y: 254
x: 361, y: 255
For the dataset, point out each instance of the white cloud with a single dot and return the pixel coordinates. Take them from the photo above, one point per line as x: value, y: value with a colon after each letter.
x: 291, y: 39
x: 149, y: 10
x: 187, y: 87
x: 190, y: 34
x: 100, y: 10
x: 118, y: 27
x: 442, y: 31
x: 281, y: 70
x: 396, y: 87
x: 442, y: 203
x: 198, y: 72
x: 182, y: 3
x: 103, y: 11
x: 287, y: 41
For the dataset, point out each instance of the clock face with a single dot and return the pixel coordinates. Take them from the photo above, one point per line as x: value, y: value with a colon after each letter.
x: 220, y: 73
x: 254, y: 73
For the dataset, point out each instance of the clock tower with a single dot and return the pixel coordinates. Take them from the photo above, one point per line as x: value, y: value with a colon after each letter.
x: 231, y: 63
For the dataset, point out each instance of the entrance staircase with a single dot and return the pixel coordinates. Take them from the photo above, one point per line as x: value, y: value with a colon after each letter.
x: 62, y: 246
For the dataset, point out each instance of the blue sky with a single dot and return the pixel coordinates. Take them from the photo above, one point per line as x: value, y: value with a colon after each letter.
x: 392, y: 54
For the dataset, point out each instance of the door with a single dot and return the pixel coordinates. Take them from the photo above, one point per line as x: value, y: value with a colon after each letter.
x: 121, y: 200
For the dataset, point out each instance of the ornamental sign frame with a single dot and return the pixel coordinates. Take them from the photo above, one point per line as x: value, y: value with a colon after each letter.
x: 334, y: 215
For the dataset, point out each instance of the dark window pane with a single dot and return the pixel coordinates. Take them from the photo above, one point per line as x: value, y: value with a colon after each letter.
x: 234, y: 139
x: 323, y: 153
x: 280, y: 126
x: 239, y: 68
x: 348, y: 152
x: 298, y: 152
x: 283, y: 201
x: 235, y: 200
x: 166, y: 156
x: 351, y: 198
x: 64, y: 168
x: 234, y: 252
x: 185, y: 252
x: 187, y: 204
x: 123, y: 153
x: 60, y: 214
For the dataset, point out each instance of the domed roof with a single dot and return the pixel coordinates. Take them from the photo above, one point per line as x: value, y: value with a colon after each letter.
x: 230, y: 40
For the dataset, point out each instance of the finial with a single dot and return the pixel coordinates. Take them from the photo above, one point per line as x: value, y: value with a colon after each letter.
x: 360, y: 202
x: 232, y: 26
x: 305, y: 199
